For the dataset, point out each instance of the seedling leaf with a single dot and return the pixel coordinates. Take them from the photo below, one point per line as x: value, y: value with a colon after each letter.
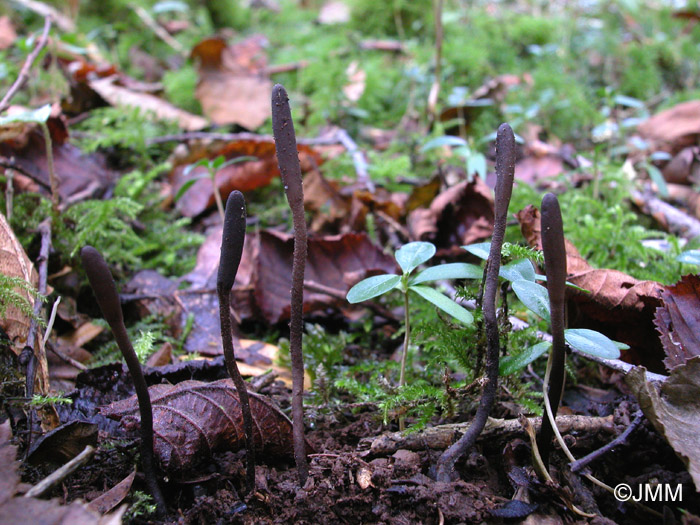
x: 521, y: 269
x: 413, y: 254
x: 372, y: 287
x: 512, y: 363
x: 448, y: 271
x: 444, y: 303
x: 533, y: 296
x: 592, y: 342
x: 480, y: 249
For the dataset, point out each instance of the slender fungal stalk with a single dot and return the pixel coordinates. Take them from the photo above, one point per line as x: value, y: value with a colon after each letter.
x: 555, y: 267
x: 505, y: 169
x: 108, y: 299
x: 231, y: 251
x: 288, y: 160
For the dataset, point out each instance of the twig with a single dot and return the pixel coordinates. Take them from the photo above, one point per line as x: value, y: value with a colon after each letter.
x: 342, y: 296
x: 24, y: 72
x: 678, y: 222
x: 505, y: 168
x: 161, y: 33
x: 232, y: 241
x: 63, y: 22
x: 37, y: 355
x: 442, y: 436
x: 67, y: 359
x: 288, y: 160
x: 358, y: 159
x: 107, y: 297
x: 50, y: 481
x: 435, y: 88
x: 619, y: 440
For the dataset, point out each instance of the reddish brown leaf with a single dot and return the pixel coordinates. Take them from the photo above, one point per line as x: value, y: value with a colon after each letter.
x: 673, y: 128
x: 17, y: 509
x: 335, y: 261
x: 113, y: 496
x: 192, y: 420
x: 460, y: 215
x: 531, y: 228
x: 244, y: 176
x: 678, y: 321
x: 233, y: 87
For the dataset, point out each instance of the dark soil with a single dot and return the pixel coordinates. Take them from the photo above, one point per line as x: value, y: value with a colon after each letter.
x: 348, y: 485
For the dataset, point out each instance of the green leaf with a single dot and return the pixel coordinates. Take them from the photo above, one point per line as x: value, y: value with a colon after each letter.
x: 534, y: 297
x: 237, y: 160
x: 446, y: 140
x: 480, y: 249
x: 448, y: 271
x: 372, y: 287
x: 186, y: 186
x: 38, y: 115
x: 476, y: 163
x: 591, y: 342
x: 689, y: 257
x: 444, y: 303
x: 658, y: 179
x: 521, y: 269
x: 410, y: 255
x: 513, y: 363
x: 205, y: 162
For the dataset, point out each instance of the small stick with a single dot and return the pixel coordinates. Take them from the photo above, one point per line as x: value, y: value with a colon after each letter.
x: 579, y: 464
x: 107, y: 297
x: 24, y: 72
x: 288, y: 160
x: 231, y: 251
x: 505, y: 169
x: 555, y: 267
x: 50, y: 481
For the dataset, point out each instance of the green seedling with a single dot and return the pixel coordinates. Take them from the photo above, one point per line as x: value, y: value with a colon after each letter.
x: 213, y: 166
x: 474, y: 161
x: 409, y: 257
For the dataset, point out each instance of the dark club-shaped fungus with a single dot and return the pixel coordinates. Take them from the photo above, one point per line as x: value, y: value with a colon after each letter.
x: 108, y: 299
x: 505, y: 168
x: 231, y: 251
x: 555, y: 267
x: 288, y: 160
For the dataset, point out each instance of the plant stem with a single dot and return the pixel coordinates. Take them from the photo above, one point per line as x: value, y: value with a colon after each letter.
x: 404, y: 354
x: 217, y: 196
x: 288, y: 160
x: 231, y: 251
x: 555, y: 268
x: 505, y: 168
x: 107, y: 297
x: 50, y: 167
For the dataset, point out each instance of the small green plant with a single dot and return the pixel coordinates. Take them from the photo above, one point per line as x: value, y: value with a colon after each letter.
x: 12, y: 293
x: 212, y: 166
x: 142, y: 506
x: 409, y: 257
x: 474, y: 161
x: 40, y: 401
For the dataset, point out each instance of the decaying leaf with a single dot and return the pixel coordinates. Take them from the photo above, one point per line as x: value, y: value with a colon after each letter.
x: 673, y: 128
x: 243, y: 176
x: 617, y: 304
x: 233, y: 86
x: 17, y: 509
x: 120, y: 96
x: 114, y: 496
x: 460, y: 215
x: 674, y: 410
x: 192, y: 420
x: 678, y: 321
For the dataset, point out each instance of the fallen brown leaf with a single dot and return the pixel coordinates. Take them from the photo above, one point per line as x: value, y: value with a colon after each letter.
x: 119, y: 96
x: 192, y: 420
x: 8, y: 35
x: 16, y: 509
x: 673, y: 128
x: 462, y: 214
x: 674, y: 410
x: 678, y: 321
x: 233, y: 86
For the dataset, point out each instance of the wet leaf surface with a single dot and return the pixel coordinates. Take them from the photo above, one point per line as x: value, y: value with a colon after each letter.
x: 678, y: 321
x: 192, y: 420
